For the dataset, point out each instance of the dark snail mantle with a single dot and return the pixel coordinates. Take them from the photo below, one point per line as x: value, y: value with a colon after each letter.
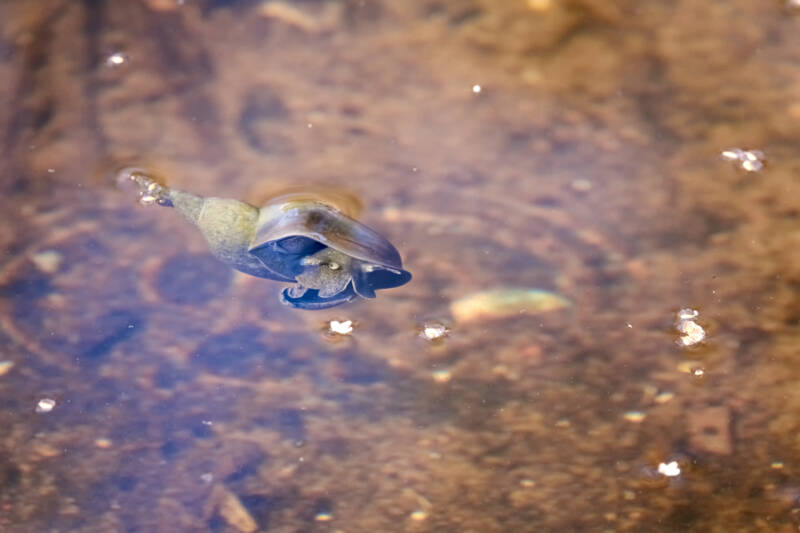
x: 331, y: 258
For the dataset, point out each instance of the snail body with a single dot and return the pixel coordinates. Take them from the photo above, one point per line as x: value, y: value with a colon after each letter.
x: 331, y: 258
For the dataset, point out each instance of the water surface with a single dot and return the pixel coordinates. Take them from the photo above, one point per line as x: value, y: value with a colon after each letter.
x: 572, y: 147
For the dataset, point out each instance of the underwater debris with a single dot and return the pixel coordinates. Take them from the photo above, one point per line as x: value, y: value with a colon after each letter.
x: 505, y: 302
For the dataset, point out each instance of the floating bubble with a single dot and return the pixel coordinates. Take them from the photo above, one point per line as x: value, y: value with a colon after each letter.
x: 476, y: 89
x: 344, y: 327
x: 670, y: 469
x: 45, y: 405
x: 693, y: 368
x: 749, y: 160
x: 691, y: 332
x: 418, y: 515
x: 433, y: 331
x: 116, y: 59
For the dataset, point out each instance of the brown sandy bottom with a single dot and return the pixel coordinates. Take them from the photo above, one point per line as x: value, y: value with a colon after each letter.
x: 569, y: 146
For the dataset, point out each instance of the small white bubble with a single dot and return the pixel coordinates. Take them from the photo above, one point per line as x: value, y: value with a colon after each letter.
x: 734, y: 154
x: 752, y: 165
x: 345, y: 327
x: 749, y: 160
x: 433, y: 331
x: 45, y: 405
x: 51, y: 170
x: 691, y: 332
x: 693, y: 368
x: 116, y: 59
x: 208, y: 477
x: 670, y: 469
x: 476, y: 89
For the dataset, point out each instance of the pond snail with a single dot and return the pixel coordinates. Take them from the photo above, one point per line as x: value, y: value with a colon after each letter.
x: 330, y: 257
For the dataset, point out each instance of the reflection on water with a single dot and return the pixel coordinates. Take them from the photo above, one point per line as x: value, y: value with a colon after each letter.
x: 521, y: 155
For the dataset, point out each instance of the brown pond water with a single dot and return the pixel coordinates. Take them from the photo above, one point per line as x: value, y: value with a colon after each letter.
x: 571, y: 146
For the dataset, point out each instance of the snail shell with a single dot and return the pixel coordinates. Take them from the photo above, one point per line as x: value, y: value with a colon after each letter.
x: 330, y: 254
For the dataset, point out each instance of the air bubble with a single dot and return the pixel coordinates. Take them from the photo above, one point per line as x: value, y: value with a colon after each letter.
x: 749, y: 160
x: 671, y: 469
x: 45, y: 405
x: 116, y: 59
x: 343, y: 327
x: 691, y: 332
x: 433, y: 331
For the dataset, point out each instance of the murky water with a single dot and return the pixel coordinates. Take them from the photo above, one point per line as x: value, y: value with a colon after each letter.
x: 639, y: 373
